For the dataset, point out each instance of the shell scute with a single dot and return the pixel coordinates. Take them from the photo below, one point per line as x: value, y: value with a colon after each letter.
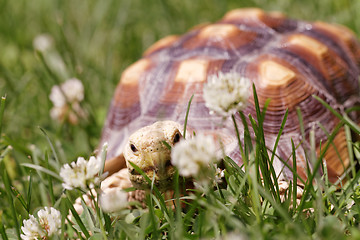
x: 223, y: 36
x: 161, y: 44
x: 343, y: 36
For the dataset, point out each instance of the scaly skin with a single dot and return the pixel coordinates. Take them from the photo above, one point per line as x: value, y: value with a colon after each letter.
x: 147, y: 150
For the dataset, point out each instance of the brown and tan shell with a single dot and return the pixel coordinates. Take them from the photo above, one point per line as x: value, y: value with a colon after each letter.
x: 287, y: 60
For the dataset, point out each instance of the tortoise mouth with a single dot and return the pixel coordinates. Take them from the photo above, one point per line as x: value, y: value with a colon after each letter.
x: 163, y: 179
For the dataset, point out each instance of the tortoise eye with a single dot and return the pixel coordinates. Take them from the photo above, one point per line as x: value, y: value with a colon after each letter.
x: 133, y: 148
x: 176, y: 138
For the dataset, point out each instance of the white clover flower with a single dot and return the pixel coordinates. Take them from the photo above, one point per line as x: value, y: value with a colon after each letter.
x: 70, y: 91
x: 57, y: 112
x: 113, y: 200
x: 47, y: 224
x: 226, y: 93
x: 66, y: 99
x: 31, y: 229
x: 219, y: 175
x: 73, y: 90
x: 43, y: 42
x: 81, y: 173
x: 57, y: 97
x: 71, y: 114
x: 192, y: 155
x: 50, y: 220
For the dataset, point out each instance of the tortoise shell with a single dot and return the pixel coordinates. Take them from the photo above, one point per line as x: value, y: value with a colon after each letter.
x: 288, y: 61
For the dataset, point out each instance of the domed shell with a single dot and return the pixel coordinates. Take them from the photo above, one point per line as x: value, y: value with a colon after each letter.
x: 288, y: 60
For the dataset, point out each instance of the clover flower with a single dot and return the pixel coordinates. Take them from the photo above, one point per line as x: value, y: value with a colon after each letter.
x: 226, y: 93
x: 66, y: 99
x: 32, y: 229
x: 112, y: 197
x: 50, y: 220
x: 219, y: 175
x: 72, y: 91
x: 193, y: 156
x: 81, y: 174
x: 47, y: 224
x: 43, y: 42
x: 113, y: 200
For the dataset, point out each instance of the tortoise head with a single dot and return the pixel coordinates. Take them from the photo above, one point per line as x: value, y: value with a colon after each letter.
x: 147, y: 148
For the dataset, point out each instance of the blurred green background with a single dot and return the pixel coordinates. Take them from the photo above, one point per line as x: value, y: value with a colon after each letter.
x: 95, y: 41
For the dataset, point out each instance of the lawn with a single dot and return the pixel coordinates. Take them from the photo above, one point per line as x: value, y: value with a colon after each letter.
x: 94, y: 41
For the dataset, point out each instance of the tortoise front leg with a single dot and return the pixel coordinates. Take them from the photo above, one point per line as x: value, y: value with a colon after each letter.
x: 115, y: 164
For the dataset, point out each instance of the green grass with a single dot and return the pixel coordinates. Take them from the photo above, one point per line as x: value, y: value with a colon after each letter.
x: 96, y: 41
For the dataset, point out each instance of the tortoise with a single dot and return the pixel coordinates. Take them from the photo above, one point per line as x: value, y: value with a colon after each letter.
x: 287, y: 60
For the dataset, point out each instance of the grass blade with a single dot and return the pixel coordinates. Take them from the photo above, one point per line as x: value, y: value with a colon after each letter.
x: 16, y: 145
x: 88, y: 216
x: 50, y: 184
x: 336, y: 149
x: 266, y: 165
x: 154, y: 188
x: 3, y: 232
x: 248, y: 147
x: 266, y: 195
x: 259, y: 115
x: 48, y: 69
x: 51, y: 146
x: 254, y: 193
x: 103, y: 158
x: 64, y: 213
x: 7, y: 184
x: 29, y: 193
x: 153, y: 217
x: 2, y: 108
x: 262, y: 160
x: 19, y: 197
x: 301, y: 122
x: 77, y: 218
x: 308, y: 185
x: 42, y: 169
x: 350, y: 149
x: 345, y: 118
x: 244, y: 157
x: 266, y: 104
x: 294, y: 191
x: 278, y: 136
x: 178, y: 217
x: 187, y: 115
